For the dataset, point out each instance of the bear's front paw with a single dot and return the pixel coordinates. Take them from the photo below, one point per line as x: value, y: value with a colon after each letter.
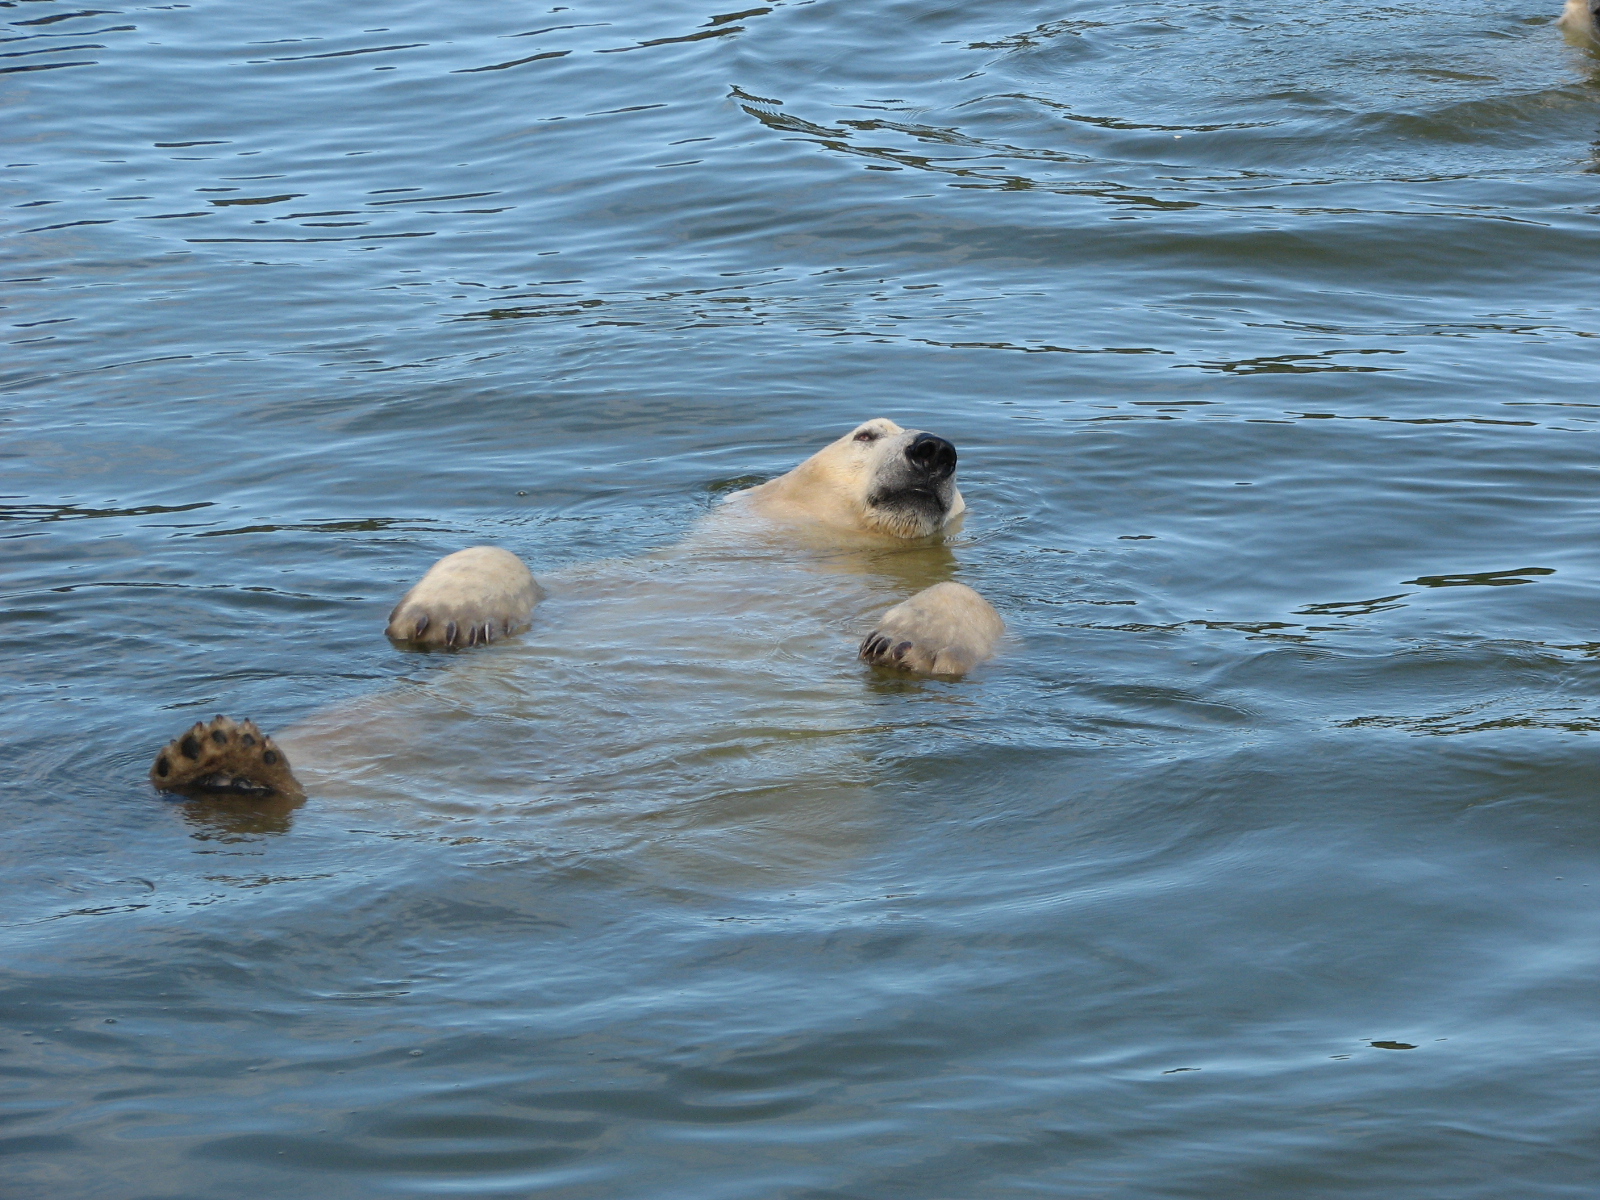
x: 944, y: 630
x: 883, y: 650
x: 225, y: 758
x: 468, y: 598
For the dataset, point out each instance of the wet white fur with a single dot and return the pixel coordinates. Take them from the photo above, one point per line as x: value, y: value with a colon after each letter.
x: 1579, y: 19
x: 831, y: 487
x: 480, y: 594
x: 484, y: 592
x: 950, y: 627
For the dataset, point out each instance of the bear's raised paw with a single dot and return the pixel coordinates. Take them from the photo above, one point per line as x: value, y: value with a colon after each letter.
x: 944, y: 630
x: 225, y: 758
x: 469, y: 598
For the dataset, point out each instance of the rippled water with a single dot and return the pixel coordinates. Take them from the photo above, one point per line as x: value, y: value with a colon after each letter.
x: 1262, y: 865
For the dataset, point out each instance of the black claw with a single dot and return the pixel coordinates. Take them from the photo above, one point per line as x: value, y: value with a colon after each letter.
x: 488, y: 633
x: 190, y: 746
x: 450, y: 632
x: 422, y: 626
x: 875, y: 647
x: 900, y: 650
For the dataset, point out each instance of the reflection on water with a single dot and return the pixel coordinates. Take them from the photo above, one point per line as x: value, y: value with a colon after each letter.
x: 1266, y: 337
x: 232, y: 818
x: 1483, y: 578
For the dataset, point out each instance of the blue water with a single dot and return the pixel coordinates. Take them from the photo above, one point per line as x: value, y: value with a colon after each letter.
x: 1263, y: 864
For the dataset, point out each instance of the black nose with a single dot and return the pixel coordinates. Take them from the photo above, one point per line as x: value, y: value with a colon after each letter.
x: 932, y: 454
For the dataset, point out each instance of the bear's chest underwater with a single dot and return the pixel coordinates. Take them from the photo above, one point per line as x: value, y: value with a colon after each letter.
x: 680, y: 676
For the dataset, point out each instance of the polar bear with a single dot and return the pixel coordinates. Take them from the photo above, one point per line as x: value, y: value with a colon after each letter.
x: 1581, y: 19
x: 872, y: 507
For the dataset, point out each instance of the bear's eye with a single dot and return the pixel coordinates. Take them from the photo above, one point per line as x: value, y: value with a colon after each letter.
x: 868, y: 435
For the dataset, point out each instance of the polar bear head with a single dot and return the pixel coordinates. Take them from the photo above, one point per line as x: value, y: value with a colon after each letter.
x: 878, y: 478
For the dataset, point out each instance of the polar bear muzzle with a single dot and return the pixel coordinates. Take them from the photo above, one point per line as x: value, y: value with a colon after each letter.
x: 914, y: 490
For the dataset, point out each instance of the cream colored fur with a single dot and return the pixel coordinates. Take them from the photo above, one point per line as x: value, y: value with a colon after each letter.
x: 831, y: 487
x: 847, y: 488
x: 944, y: 630
x: 1579, y: 20
x: 468, y: 598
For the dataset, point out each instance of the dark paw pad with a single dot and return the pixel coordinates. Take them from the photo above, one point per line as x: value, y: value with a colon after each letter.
x: 225, y: 758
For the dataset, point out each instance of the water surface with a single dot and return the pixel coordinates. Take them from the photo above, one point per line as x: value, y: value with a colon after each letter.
x: 1264, y: 863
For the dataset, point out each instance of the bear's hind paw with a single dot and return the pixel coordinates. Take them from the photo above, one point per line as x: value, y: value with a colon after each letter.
x: 225, y: 758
